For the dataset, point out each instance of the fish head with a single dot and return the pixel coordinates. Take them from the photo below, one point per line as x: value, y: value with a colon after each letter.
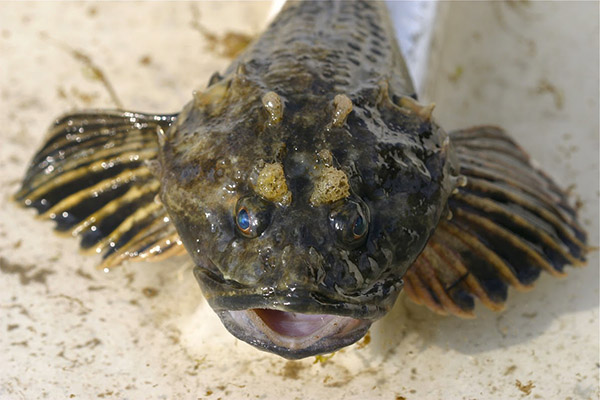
x: 300, y: 229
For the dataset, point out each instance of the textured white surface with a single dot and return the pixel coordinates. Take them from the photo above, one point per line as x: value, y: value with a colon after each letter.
x: 414, y: 24
x: 144, y: 331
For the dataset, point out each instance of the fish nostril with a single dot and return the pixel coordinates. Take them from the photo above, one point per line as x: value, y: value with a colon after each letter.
x: 279, y: 237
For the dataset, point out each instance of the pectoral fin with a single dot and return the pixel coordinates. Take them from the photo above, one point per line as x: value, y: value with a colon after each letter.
x: 93, y: 179
x: 509, y: 222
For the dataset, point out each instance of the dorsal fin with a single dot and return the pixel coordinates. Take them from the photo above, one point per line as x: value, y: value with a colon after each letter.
x: 91, y: 177
x: 510, y: 222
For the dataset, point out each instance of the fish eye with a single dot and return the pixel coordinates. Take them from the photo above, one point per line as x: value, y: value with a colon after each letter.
x: 350, y: 221
x: 359, y: 228
x: 252, y: 216
x: 243, y: 220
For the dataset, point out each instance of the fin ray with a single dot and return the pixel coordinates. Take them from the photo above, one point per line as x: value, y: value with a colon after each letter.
x: 92, y: 178
x: 509, y: 223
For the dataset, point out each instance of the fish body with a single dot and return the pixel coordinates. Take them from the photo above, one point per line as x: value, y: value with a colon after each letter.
x: 308, y: 185
x: 393, y: 159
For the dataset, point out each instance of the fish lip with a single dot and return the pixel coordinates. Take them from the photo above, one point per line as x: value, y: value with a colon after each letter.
x: 269, y: 323
x: 225, y: 295
x: 235, y: 304
x: 261, y: 331
x: 303, y: 301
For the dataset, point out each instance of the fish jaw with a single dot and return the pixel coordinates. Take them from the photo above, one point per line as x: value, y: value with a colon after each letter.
x: 294, y: 335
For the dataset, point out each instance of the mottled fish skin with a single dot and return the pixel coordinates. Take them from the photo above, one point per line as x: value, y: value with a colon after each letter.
x: 310, y: 187
x: 395, y: 157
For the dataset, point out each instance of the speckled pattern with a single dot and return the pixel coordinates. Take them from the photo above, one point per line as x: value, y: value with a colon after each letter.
x: 304, y: 257
x: 144, y: 330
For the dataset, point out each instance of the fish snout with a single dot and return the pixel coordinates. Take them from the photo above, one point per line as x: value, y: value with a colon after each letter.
x: 302, y: 266
x: 305, y: 236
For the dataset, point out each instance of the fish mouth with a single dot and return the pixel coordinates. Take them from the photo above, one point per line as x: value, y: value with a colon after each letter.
x: 293, y: 335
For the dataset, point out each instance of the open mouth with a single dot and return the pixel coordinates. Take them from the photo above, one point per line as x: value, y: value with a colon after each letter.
x: 293, y: 324
x: 294, y: 335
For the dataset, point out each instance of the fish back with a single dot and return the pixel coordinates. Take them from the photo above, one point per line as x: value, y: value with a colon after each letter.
x: 317, y: 47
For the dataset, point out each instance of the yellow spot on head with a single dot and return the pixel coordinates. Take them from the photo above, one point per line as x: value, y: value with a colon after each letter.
x: 332, y: 185
x: 271, y: 184
x: 422, y: 111
x: 324, y: 156
x: 272, y: 103
x: 343, y: 107
x: 213, y: 94
x: 461, y: 181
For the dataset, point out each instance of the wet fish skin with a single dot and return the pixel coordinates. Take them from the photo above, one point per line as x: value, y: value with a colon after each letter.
x: 310, y: 188
x: 395, y: 160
